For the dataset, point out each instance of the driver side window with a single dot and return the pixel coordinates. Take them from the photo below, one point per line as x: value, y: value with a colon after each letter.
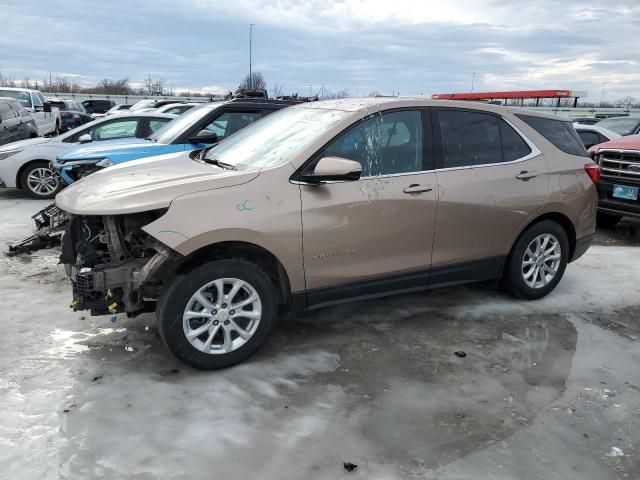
x: 114, y: 130
x: 229, y: 123
x: 384, y: 144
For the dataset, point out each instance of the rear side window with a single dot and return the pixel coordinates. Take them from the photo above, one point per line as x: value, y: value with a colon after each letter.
x: 513, y: 145
x: 469, y: 138
x: 561, y: 134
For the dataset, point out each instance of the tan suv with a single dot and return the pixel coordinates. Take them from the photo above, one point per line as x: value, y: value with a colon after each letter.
x: 327, y: 202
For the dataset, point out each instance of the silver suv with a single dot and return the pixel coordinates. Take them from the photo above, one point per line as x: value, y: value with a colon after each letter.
x: 328, y: 202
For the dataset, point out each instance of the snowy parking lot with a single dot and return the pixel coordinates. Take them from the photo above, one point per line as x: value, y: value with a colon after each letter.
x: 460, y: 383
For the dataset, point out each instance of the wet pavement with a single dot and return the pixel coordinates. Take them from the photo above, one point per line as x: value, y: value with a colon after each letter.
x: 459, y: 383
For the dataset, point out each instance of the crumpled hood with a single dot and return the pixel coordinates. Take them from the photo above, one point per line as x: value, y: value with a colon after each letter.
x: 146, y: 184
x: 111, y: 148
x: 24, y: 143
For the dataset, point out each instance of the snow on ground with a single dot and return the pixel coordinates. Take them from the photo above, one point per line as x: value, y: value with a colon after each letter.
x: 375, y: 383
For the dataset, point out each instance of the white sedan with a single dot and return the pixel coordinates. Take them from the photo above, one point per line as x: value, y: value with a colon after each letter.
x: 593, y: 134
x: 26, y: 164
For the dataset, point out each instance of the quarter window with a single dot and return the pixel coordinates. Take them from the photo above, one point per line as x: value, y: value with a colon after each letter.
x: 469, y: 138
x: 6, y: 112
x: 155, y: 125
x: 384, y: 144
x: 558, y: 132
x: 513, y: 145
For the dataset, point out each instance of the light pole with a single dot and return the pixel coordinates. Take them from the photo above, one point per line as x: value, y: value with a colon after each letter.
x: 473, y: 78
x: 602, y: 96
x: 251, y: 25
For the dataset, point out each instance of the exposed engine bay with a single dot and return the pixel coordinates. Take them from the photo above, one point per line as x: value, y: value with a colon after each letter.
x: 113, y: 264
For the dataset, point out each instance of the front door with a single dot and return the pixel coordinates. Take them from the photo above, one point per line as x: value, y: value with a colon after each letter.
x: 373, y: 235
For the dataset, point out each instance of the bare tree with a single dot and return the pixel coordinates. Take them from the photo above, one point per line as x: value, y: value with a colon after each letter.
x: 339, y: 94
x: 626, y: 102
x: 278, y: 90
x: 256, y: 82
x: 6, y: 81
x: 154, y: 87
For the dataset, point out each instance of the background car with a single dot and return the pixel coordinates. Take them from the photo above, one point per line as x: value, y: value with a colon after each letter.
x: 149, y: 104
x: 72, y: 113
x: 622, y: 125
x: 27, y: 164
x: 594, y: 134
x: 619, y: 187
x: 115, y: 109
x: 176, y: 108
x: 47, y: 118
x: 15, y: 122
x: 586, y: 120
x: 197, y: 128
x: 98, y: 106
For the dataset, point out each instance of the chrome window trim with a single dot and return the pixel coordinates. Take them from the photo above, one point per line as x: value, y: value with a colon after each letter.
x: 535, y: 151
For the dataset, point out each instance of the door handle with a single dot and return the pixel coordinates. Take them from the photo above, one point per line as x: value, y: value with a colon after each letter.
x: 525, y: 175
x: 416, y: 189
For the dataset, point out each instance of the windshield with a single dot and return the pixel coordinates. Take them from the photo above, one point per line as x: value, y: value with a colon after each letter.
x: 622, y: 126
x: 23, y: 97
x: 178, y: 126
x: 275, y: 139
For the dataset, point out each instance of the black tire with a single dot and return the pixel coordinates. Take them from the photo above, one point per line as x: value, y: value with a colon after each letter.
x: 25, y: 184
x: 177, y: 293
x: 513, y: 281
x: 607, y: 220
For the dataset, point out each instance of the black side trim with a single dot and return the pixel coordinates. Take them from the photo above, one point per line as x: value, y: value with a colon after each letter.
x: 467, y: 272
x: 406, y: 282
x: 582, y: 245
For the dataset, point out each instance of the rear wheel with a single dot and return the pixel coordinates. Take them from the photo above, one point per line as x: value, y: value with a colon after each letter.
x: 39, y: 181
x: 537, y: 261
x: 607, y: 220
x: 218, y: 314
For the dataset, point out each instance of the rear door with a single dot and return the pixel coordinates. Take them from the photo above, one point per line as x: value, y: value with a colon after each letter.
x: 491, y: 181
x: 374, y: 235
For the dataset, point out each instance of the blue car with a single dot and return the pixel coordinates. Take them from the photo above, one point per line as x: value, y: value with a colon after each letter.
x: 196, y: 129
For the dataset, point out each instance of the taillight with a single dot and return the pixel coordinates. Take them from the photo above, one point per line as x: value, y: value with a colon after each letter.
x: 593, y: 171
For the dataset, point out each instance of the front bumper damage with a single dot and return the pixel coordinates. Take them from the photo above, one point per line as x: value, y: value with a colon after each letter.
x: 113, y: 265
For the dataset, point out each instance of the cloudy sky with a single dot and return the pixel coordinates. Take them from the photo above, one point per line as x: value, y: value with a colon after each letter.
x: 407, y: 46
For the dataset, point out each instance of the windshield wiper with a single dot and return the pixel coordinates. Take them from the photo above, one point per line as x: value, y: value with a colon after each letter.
x: 218, y: 163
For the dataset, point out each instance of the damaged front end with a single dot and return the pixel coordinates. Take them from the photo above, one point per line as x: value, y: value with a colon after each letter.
x: 113, y: 264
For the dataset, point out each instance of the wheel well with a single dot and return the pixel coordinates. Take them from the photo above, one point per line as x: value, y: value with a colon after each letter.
x: 247, y: 251
x: 22, y: 169
x: 563, y: 221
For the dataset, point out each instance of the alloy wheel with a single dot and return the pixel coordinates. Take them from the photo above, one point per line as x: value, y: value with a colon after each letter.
x: 42, y: 181
x: 222, y: 316
x: 541, y: 260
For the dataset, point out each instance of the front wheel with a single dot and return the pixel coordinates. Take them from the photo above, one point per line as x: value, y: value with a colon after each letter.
x: 218, y: 314
x: 39, y: 181
x: 537, y: 261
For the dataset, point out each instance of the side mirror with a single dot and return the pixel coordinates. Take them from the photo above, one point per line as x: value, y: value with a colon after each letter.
x: 333, y: 169
x: 47, y: 107
x: 205, y: 138
x: 86, y: 138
